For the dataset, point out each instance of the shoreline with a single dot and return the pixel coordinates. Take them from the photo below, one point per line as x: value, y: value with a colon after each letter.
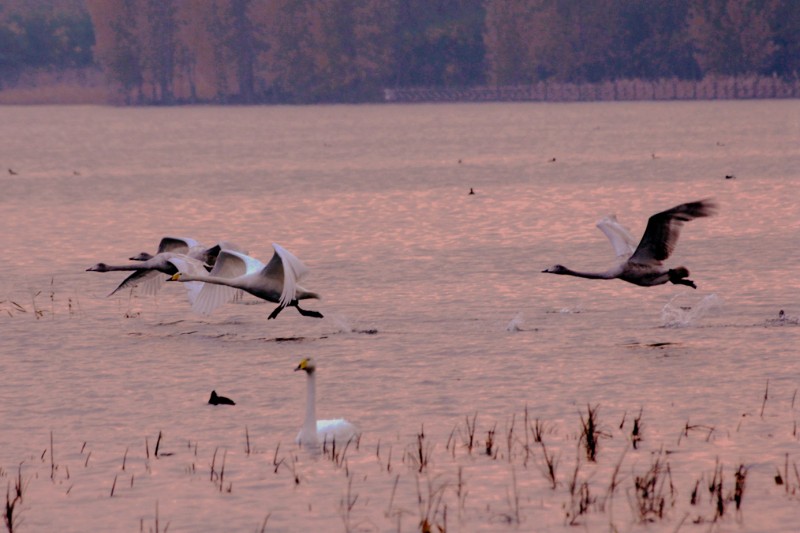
x: 90, y: 86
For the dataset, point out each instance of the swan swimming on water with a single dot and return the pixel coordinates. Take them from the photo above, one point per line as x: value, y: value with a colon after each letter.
x: 644, y: 266
x: 276, y: 282
x: 315, y: 431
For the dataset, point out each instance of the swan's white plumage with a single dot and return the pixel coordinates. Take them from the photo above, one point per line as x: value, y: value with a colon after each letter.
x: 293, y: 271
x: 241, y: 271
x: 231, y: 265
x: 618, y: 235
x: 316, y: 431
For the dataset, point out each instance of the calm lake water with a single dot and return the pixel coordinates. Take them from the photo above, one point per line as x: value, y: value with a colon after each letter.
x: 435, y: 308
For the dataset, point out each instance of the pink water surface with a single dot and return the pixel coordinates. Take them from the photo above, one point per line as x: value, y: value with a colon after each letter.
x: 435, y: 307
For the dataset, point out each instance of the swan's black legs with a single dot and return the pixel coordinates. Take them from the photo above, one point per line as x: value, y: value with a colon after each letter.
x: 306, y: 312
x: 680, y: 276
x: 688, y: 282
x: 276, y: 312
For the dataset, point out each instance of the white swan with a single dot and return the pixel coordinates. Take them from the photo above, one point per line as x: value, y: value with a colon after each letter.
x: 146, y: 273
x: 644, y: 266
x: 315, y: 431
x: 276, y: 282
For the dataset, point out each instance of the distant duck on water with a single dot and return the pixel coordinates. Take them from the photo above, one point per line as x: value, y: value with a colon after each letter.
x: 216, y: 399
x: 644, y: 266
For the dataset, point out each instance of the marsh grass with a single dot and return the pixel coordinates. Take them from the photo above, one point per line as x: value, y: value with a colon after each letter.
x: 585, y: 494
x: 654, y: 491
x: 11, y: 513
x: 591, y: 433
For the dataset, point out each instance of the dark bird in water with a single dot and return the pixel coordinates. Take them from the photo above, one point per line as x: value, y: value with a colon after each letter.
x: 730, y: 177
x: 274, y: 282
x: 644, y: 266
x: 552, y: 160
x: 12, y: 171
x: 471, y: 191
x: 219, y: 400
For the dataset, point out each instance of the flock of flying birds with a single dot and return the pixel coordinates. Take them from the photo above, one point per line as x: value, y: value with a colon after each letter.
x: 216, y: 275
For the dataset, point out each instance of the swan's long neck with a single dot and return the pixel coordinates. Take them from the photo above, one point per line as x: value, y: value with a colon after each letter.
x: 310, y: 423
x: 214, y: 280
x: 610, y: 274
x: 112, y: 268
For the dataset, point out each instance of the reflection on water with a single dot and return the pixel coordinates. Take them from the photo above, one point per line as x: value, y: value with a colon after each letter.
x: 434, y: 301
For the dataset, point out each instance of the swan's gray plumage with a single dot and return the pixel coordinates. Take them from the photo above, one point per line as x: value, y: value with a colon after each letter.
x: 644, y: 266
x: 190, y: 247
x: 146, y: 273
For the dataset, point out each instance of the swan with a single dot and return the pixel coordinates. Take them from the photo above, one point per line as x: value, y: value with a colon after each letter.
x: 644, y: 265
x: 190, y: 247
x: 315, y: 431
x: 146, y: 272
x: 276, y: 282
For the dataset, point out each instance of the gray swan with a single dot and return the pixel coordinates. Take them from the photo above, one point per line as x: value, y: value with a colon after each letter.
x: 146, y: 273
x: 645, y: 266
x: 190, y: 247
x: 274, y: 282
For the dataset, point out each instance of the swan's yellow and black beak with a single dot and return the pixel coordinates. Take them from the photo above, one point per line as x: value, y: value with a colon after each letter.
x: 175, y: 277
x: 303, y: 365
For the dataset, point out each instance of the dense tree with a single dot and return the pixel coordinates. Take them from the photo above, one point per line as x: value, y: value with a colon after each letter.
x: 732, y: 36
x: 508, y: 38
x: 438, y: 43
x: 247, y: 51
x: 41, y: 39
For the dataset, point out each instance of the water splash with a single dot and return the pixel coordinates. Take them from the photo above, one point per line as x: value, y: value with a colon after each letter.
x: 516, y: 323
x: 784, y: 319
x: 675, y: 315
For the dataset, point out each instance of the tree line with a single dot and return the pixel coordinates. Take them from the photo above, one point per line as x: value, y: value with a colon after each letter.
x: 303, y: 51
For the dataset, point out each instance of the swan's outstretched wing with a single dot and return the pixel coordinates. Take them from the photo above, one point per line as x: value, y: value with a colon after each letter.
x: 288, y: 269
x: 621, y: 239
x: 178, y: 245
x: 663, y: 229
x: 209, y: 255
x: 191, y: 266
x: 231, y: 265
x: 147, y: 280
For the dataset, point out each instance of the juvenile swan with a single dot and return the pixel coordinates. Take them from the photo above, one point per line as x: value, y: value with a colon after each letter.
x: 276, y: 282
x: 190, y: 247
x: 644, y: 267
x: 315, y: 431
x: 145, y: 273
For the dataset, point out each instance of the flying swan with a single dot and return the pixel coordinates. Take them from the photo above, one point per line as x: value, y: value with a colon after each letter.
x: 276, y: 282
x: 190, y: 247
x: 315, y: 431
x: 146, y: 273
x: 644, y: 265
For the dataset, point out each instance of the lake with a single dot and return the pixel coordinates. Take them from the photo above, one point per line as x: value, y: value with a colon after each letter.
x: 466, y: 368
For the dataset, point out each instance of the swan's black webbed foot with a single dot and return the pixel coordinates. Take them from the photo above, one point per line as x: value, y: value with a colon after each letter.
x: 276, y: 312
x: 688, y: 282
x: 306, y: 312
